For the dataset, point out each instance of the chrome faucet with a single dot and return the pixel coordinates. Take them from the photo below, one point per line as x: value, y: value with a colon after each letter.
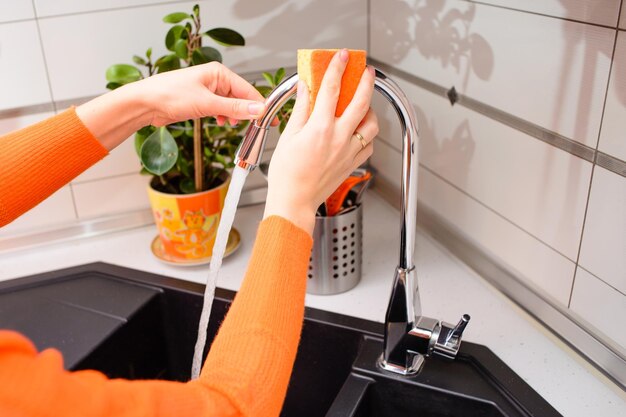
x: 409, y: 336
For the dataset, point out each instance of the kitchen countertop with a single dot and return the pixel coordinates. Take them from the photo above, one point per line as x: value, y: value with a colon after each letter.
x: 448, y: 289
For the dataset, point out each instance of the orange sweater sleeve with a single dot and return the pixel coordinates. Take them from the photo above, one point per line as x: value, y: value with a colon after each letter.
x: 38, y: 160
x: 245, y: 374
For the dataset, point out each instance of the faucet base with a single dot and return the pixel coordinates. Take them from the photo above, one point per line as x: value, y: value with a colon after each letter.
x: 416, y: 363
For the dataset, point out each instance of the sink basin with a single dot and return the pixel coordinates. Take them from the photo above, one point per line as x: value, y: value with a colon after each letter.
x: 136, y: 325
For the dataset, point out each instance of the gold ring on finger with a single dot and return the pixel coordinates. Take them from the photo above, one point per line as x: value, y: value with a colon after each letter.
x: 361, y: 139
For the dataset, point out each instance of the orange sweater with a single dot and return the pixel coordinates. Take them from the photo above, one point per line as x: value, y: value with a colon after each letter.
x: 239, y: 378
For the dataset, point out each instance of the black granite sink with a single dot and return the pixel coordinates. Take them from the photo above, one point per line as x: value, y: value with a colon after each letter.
x: 132, y: 324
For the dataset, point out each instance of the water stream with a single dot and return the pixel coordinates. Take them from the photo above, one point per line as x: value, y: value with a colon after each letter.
x: 223, y: 230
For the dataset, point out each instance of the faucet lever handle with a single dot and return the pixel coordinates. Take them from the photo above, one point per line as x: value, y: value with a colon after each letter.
x: 457, y: 332
x: 449, y: 340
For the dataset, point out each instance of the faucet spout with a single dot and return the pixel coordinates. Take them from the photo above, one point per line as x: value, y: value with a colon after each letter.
x: 251, y: 148
x: 408, y: 335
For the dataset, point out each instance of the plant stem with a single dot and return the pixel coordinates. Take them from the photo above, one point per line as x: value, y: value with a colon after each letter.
x: 197, y: 153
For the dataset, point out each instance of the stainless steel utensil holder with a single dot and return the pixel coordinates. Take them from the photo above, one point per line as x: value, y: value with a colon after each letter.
x: 335, y: 263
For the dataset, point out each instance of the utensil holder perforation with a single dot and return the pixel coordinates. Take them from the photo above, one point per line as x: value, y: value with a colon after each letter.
x: 336, y: 258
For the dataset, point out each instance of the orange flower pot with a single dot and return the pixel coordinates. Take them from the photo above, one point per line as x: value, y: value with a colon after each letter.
x: 187, y: 223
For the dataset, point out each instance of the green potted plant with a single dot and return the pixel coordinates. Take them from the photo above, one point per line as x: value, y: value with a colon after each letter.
x: 190, y: 160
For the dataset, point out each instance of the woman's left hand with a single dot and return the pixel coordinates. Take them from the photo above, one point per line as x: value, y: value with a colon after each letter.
x: 203, y: 90
x: 190, y: 93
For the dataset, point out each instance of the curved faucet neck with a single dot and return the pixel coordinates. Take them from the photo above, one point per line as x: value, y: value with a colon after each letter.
x: 251, y: 149
x: 408, y: 335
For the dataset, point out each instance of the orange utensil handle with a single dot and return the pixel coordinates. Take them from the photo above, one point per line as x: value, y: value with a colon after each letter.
x: 336, y: 199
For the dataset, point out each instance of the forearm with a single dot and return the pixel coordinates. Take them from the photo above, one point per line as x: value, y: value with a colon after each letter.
x: 40, y: 159
x: 251, y: 358
x: 114, y: 116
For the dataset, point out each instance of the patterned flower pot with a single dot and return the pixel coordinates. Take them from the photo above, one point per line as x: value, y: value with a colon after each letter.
x: 187, y: 223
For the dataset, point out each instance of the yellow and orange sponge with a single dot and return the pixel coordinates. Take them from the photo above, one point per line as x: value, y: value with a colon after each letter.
x: 312, y: 64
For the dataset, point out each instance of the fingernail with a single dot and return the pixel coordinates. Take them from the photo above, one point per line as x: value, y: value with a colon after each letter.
x: 343, y: 55
x: 371, y: 70
x: 255, y: 108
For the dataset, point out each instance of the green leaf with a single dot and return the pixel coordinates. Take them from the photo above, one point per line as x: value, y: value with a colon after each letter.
x: 268, y: 77
x: 184, y: 166
x: 180, y: 49
x: 219, y: 158
x: 140, y: 137
x: 149, y: 53
x: 196, y: 10
x: 139, y: 60
x: 176, y: 17
x: 113, y: 86
x: 187, y: 186
x: 159, y: 152
x: 172, y: 36
x: 123, y: 74
x: 205, y: 54
x: 278, y: 77
x: 226, y: 37
x: 264, y: 90
x: 167, y: 63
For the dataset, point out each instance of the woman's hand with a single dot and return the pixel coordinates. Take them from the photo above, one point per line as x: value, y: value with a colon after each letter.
x: 200, y: 91
x: 190, y: 93
x: 317, y: 152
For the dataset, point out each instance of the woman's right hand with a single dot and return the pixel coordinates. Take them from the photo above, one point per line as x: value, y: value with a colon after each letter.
x: 318, y: 151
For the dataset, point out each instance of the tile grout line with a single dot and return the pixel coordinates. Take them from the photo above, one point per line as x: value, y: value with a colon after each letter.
x: 593, y: 167
x: 482, y: 204
x: 498, y: 6
x: 112, y: 9
x: 54, y: 106
x: 74, y: 200
x: 533, y: 130
x: 88, y: 181
x: 603, y: 281
x: 43, y: 55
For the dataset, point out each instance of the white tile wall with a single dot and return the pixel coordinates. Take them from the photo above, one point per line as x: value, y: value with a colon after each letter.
x: 57, y: 209
x: 600, y: 305
x: 543, y: 267
x: 536, y: 186
x: 111, y: 195
x: 81, y: 38
x: 603, y: 250
x: 273, y: 35
x: 603, y: 12
x: 16, y: 10
x: 613, y: 133
x: 622, y: 20
x: 59, y: 7
x: 121, y: 160
x: 548, y: 71
x: 14, y: 123
x: 22, y: 72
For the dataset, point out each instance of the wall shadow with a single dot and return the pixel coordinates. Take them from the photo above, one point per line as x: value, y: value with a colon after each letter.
x: 277, y: 35
x: 438, y: 33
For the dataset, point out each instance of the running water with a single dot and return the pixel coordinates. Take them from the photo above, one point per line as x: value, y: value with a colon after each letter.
x: 223, y: 230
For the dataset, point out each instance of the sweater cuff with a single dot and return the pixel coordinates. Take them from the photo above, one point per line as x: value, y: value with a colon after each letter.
x: 280, y: 226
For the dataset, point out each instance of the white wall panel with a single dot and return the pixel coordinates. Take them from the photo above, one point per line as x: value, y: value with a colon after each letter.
x: 602, y: 12
x: 22, y: 72
x: 603, y: 250
x: 536, y: 186
x: 548, y: 71
x: 613, y: 133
